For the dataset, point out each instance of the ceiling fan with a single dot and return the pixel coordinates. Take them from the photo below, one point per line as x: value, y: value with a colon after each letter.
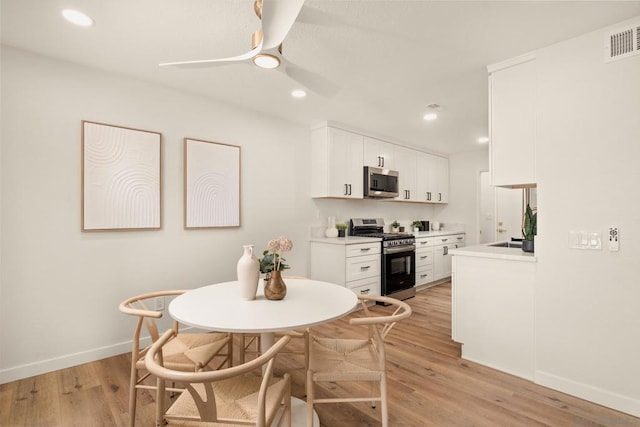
x: 276, y: 17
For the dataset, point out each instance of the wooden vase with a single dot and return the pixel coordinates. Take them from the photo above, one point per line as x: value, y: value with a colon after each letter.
x: 275, y: 289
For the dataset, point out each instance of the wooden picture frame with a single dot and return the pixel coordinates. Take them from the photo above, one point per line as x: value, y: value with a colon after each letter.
x: 211, y: 184
x: 121, y: 178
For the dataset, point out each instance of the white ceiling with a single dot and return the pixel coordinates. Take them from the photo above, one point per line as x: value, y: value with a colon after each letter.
x: 389, y: 58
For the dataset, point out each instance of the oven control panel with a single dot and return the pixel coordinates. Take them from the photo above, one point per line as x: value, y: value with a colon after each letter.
x: 398, y: 242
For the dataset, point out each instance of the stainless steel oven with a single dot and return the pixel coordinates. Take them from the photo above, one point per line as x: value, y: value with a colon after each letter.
x: 398, y: 272
x: 398, y: 268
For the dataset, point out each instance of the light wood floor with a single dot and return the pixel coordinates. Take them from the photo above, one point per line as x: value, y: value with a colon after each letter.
x: 429, y: 385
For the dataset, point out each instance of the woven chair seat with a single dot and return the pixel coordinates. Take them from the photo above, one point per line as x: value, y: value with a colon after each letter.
x: 344, y: 360
x: 189, y: 352
x: 236, y: 398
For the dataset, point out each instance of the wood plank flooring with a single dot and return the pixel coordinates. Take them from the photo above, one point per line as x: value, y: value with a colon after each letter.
x: 429, y: 385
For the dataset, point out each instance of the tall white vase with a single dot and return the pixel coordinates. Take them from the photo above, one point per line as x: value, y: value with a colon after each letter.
x: 248, y: 273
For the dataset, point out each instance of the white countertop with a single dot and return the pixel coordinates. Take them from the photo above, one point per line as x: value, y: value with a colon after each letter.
x: 495, y: 252
x: 348, y: 240
x: 420, y: 234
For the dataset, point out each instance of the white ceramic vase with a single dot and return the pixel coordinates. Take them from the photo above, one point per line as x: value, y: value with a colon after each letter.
x: 248, y: 273
x: 331, y: 230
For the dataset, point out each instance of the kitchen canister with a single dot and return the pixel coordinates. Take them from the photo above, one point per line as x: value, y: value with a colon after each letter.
x: 248, y: 270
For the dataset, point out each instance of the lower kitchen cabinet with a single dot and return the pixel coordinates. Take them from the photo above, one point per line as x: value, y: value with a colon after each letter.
x: 347, y: 262
x: 441, y: 255
x: 424, y: 260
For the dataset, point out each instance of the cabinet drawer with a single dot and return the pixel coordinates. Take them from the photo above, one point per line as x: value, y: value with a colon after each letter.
x: 363, y: 249
x: 424, y: 275
x: 362, y: 267
x: 424, y: 258
x: 424, y: 243
x: 365, y: 287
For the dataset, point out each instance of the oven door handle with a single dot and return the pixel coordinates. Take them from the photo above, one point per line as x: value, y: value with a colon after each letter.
x: 399, y: 249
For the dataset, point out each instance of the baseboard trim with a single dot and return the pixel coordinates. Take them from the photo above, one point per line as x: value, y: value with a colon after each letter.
x: 19, y: 372
x: 593, y: 394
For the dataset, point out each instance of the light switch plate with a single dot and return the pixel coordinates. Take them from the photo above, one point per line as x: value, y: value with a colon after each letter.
x: 581, y: 239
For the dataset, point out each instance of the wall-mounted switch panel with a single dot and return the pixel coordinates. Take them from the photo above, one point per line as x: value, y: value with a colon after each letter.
x: 614, y: 239
x: 591, y: 240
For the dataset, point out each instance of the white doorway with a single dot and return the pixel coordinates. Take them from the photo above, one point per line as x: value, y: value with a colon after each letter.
x: 486, y: 225
x: 500, y: 211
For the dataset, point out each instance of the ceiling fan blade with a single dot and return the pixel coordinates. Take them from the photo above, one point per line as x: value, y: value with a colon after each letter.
x: 278, y: 17
x: 214, y: 62
x: 312, y: 81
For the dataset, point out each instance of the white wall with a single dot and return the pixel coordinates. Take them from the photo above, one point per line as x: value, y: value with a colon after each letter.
x: 60, y: 287
x: 464, y: 187
x: 588, y: 148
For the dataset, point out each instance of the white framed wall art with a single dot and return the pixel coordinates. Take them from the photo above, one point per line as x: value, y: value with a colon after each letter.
x: 121, y: 178
x: 211, y: 184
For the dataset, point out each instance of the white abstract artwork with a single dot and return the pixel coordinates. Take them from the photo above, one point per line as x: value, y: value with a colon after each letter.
x: 211, y: 185
x: 120, y: 178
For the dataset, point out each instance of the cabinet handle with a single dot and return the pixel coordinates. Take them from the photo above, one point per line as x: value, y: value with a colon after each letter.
x: 422, y: 276
x: 349, y: 189
x: 365, y: 267
x: 379, y: 162
x: 364, y: 249
x: 439, y: 197
x: 365, y: 291
x: 444, y: 240
x: 382, y: 161
x: 445, y: 250
x: 346, y: 190
x: 429, y: 195
x: 423, y: 257
x: 423, y: 243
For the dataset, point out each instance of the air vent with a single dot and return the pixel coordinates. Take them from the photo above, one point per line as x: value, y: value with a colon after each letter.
x: 622, y: 43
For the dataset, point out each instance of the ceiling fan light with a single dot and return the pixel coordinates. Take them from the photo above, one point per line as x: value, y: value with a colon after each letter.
x: 430, y: 116
x: 265, y: 60
x: 78, y: 18
x: 298, y: 93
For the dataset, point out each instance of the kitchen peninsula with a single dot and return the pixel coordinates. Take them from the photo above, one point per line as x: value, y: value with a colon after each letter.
x: 493, y: 307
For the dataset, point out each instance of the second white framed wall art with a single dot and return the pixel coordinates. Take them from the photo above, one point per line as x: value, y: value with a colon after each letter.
x: 211, y: 184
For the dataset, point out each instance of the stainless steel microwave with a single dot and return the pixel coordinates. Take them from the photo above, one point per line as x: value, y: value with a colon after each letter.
x: 380, y: 183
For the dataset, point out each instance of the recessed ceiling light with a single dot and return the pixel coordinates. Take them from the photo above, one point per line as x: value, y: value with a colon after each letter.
x: 265, y: 60
x: 77, y: 17
x: 430, y: 116
x: 483, y: 139
x: 298, y: 93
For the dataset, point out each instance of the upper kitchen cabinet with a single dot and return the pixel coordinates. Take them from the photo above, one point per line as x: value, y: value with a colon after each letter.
x: 336, y: 169
x: 432, y: 178
x: 406, y: 165
x: 378, y: 153
x: 512, y: 122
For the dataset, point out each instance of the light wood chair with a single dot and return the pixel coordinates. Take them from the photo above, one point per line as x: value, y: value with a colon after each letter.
x: 230, y: 396
x: 185, y: 352
x: 336, y: 360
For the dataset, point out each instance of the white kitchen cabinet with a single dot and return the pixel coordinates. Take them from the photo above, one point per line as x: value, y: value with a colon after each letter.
x: 348, y: 263
x: 405, y: 161
x: 378, y: 153
x: 512, y: 122
x: 432, y: 178
x: 336, y: 169
x: 441, y: 255
x: 424, y: 260
x: 441, y: 180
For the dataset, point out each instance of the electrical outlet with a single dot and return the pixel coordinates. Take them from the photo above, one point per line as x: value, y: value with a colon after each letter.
x: 614, y: 239
x: 159, y: 303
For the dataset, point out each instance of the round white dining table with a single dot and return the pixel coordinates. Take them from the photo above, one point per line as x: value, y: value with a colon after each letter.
x: 219, y: 307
